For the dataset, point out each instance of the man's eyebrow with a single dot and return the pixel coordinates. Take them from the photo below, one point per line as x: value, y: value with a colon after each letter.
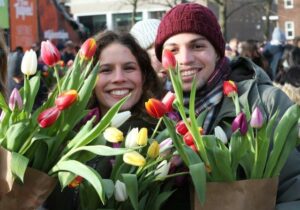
x: 191, y: 42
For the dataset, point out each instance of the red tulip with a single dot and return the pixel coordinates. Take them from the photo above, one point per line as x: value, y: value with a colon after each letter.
x: 49, y: 53
x: 240, y: 122
x: 193, y: 147
x: 155, y: 108
x: 66, y: 99
x: 168, y: 60
x: 181, y: 128
x: 76, y: 182
x: 88, y: 49
x: 229, y: 88
x: 188, y: 138
x: 168, y: 101
x: 48, y: 117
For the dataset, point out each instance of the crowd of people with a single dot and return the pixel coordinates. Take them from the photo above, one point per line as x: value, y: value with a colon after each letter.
x: 131, y: 64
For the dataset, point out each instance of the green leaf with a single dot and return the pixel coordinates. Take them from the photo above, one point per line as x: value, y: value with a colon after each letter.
x: 19, y: 165
x: 131, y: 184
x: 197, y: 172
x: 86, y: 172
x: 101, y: 150
x: 161, y: 198
x: 282, y: 130
x: 17, y: 134
x: 65, y: 178
x: 200, y: 119
x: 3, y: 104
x: 109, y: 187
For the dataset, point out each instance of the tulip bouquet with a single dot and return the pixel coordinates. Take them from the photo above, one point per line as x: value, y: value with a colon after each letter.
x: 137, y: 178
x: 45, y: 138
x: 257, y: 148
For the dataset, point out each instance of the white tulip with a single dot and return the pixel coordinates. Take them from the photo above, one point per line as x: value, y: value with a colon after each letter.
x: 220, y: 134
x: 162, y: 169
x: 120, y: 191
x: 131, y: 138
x: 29, y: 63
x: 120, y: 118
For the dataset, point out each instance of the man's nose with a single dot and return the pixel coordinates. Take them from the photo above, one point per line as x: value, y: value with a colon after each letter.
x: 184, y: 56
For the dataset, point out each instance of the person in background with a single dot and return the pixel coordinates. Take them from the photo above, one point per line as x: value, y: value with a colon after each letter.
x: 233, y: 44
x: 249, y: 49
x: 69, y: 52
x: 15, y: 76
x: 296, y: 41
x: 3, y: 65
x: 144, y: 32
x: 125, y: 68
x: 192, y: 33
x: 290, y: 83
x: 273, y: 51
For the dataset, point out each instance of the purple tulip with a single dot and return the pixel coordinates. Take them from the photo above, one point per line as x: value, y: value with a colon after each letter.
x: 93, y: 112
x: 15, y: 99
x: 257, y: 119
x: 240, y: 122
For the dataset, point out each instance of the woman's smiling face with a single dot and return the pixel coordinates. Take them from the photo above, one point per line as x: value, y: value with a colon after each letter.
x: 119, y: 76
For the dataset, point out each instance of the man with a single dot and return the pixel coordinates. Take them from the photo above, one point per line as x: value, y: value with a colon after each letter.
x: 192, y: 33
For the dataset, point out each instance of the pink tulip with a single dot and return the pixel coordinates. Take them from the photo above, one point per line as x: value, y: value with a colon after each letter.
x: 168, y: 100
x: 15, y: 100
x: 240, y: 122
x: 257, y: 119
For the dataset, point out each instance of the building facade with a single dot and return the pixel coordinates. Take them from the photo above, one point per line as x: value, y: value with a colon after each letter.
x: 98, y: 15
x: 289, y: 18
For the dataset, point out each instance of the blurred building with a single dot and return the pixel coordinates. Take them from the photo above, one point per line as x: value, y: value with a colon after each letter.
x: 289, y: 17
x: 98, y: 15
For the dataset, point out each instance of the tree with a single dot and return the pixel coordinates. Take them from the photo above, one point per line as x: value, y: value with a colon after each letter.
x: 224, y: 14
x: 134, y: 4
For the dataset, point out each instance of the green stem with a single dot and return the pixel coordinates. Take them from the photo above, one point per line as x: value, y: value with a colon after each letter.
x: 172, y: 175
x: 156, y: 128
x: 57, y: 79
x: 236, y: 102
x: 28, y: 142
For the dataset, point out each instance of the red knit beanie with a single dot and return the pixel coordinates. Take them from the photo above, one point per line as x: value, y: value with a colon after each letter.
x: 190, y: 18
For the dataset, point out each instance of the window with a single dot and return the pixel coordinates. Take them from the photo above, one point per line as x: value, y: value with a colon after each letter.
x: 123, y: 22
x: 289, y: 29
x: 288, y: 4
x: 94, y: 24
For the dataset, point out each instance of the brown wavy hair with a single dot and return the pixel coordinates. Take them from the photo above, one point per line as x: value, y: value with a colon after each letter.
x: 3, y: 65
x: 151, y: 84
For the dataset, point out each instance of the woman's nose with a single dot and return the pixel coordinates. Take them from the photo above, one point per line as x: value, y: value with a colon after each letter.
x: 118, y: 75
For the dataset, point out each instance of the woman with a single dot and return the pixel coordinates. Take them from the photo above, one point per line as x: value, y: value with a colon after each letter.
x: 125, y: 68
x: 3, y: 65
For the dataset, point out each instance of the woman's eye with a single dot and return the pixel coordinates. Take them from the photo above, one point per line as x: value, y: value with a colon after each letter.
x: 129, y: 68
x: 104, y: 70
x: 198, y: 46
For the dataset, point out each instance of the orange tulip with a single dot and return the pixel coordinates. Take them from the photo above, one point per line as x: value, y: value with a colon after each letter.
x: 168, y: 60
x: 66, y: 99
x: 155, y: 108
x: 76, y: 182
x: 88, y: 49
x: 48, y: 117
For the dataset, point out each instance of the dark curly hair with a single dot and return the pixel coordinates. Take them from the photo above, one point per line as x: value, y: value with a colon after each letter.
x: 151, y: 84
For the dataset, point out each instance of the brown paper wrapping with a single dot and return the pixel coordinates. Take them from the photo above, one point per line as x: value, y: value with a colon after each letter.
x: 239, y: 195
x: 31, y: 194
x: 6, y: 178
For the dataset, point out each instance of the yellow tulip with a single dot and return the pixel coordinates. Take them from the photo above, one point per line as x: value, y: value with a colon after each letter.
x: 142, y: 137
x: 134, y: 158
x: 153, y: 150
x: 113, y: 135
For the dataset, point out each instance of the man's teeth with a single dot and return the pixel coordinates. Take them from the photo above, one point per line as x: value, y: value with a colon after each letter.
x: 119, y: 92
x: 188, y: 73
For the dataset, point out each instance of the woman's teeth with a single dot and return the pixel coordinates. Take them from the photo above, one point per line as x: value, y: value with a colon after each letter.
x: 119, y: 92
